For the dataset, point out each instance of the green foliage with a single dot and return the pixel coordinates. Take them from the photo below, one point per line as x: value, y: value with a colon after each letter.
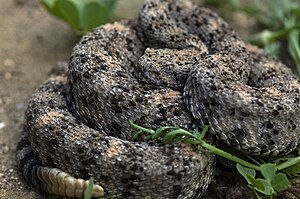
x: 271, y: 182
x: 272, y: 177
x: 279, y: 23
x: 169, y: 134
x: 89, y: 189
x: 81, y: 15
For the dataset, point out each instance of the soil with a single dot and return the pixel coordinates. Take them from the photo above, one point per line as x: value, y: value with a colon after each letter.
x: 32, y: 42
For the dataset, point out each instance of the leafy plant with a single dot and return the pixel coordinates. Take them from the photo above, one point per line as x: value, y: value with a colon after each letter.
x: 81, y: 15
x: 279, y: 23
x: 89, y: 190
x: 272, y: 179
x: 271, y: 183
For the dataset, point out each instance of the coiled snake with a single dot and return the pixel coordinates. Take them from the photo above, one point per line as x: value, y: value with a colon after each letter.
x: 179, y: 64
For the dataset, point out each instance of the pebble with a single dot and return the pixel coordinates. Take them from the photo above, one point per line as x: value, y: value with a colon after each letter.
x: 19, y: 106
x: 3, y: 149
x: 7, y: 76
x: 2, y: 125
x: 9, y: 63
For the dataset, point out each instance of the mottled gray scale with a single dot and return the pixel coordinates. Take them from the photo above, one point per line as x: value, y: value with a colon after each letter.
x: 182, y: 24
x: 163, y: 25
x: 27, y: 161
x: 105, y: 95
x: 267, y: 71
x: 136, y: 70
x: 255, y: 117
x: 167, y: 67
x: 213, y: 30
x: 114, y: 163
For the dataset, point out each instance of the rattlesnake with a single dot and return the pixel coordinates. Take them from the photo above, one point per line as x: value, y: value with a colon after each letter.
x: 179, y: 64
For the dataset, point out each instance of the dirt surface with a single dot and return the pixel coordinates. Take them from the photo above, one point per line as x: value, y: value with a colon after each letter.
x: 31, y: 42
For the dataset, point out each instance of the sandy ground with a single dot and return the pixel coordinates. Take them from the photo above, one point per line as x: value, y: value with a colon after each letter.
x: 31, y: 42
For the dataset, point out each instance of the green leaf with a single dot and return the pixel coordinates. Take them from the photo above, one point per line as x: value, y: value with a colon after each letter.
x: 81, y: 15
x: 251, y: 181
x: 186, y: 140
x: 293, y: 170
x: 89, y: 189
x: 295, y: 11
x: 138, y: 134
x: 262, y: 38
x: 247, y: 173
x: 260, y: 185
x: 93, y: 14
x: 109, y: 4
x: 268, y: 171
x: 290, y: 162
x: 294, y: 48
x: 198, y: 134
x: 140, y: 128
x: 273, y: 48
x: 280, y: 182
x: 162, y: 130
x: 49, y: 3
x: 203, y: 133
x: 263, y: 186
x: 169, y: 137
x: 69, y: 11
x: 149, y: 137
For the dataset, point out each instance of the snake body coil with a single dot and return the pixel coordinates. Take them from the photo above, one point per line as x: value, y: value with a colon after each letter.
x: 179, y: 64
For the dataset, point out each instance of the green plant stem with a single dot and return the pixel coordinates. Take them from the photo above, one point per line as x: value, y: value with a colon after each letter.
x: 223, y: 154
x: 150, y: 131
x: 202, y: 143
x: 266, y: 37
x: 289, y: 163
x: 254, y: 191
x: 254, y: 160
x: 294, y: 49
x: 228, y: 156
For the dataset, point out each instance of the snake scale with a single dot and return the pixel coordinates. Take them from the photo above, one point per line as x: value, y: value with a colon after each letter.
x: 179, y: 64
